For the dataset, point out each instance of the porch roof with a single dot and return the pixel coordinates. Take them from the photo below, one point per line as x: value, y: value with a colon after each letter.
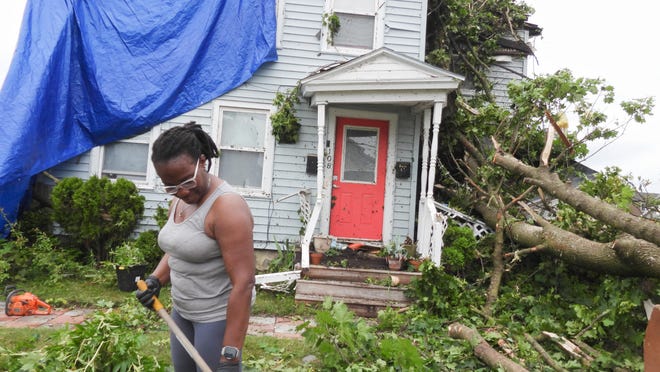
x: 380, y: 77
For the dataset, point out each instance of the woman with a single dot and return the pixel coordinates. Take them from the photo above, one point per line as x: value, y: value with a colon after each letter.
x: 209, y: 255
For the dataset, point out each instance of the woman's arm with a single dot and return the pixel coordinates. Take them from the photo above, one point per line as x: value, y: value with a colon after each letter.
x: 162, y: 270
x: 231, y: 225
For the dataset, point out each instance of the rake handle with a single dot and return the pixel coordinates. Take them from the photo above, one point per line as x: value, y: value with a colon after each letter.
x: 158, y: 307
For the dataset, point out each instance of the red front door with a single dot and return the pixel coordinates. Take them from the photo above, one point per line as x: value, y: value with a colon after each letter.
x: 358, y: 179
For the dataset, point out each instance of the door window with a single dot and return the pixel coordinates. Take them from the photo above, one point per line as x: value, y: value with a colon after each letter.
x: 359, y: 158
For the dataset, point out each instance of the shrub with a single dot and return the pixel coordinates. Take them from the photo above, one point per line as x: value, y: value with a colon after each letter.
x: 147, y: 244
x: 460, y: 245
x: 98, y: 213
x: 126, y: 254
x: 43, y: 259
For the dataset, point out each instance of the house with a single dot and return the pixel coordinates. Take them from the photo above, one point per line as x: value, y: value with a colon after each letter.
x: 362, y: 168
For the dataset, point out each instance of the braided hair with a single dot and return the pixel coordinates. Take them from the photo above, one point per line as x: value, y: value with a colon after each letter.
x: 189, y: 139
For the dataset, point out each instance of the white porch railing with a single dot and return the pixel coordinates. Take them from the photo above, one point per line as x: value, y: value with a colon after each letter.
x: 432, y: 226
x: 479, y: 228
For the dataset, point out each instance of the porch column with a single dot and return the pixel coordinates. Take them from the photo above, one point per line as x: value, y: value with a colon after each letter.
x: 436, y: 243
x: 316, y: 212
x: 421, y: 215
x: 425, y: 152
x: 437, y: 117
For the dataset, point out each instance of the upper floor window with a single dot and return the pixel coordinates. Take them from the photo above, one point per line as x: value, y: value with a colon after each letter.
x: 246, y: 147
x: 360, y: 27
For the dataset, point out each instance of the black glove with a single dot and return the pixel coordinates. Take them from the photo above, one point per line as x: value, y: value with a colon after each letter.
x: 233, y: 366
x: 146, y: 297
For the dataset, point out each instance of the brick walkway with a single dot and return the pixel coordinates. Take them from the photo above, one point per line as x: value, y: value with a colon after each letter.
x: 57, y: 318
x: 281, y: 327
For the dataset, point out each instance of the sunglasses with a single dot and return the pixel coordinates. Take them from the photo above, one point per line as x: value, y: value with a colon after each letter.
x: 187, y: 184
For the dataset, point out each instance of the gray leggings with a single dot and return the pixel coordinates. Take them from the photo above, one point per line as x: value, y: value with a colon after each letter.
x: 207, y: 339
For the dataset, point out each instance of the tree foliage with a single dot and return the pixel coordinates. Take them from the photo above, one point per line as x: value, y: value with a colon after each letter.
x: 515, y: 165
x: 462, y: 35
x: 98, y: 213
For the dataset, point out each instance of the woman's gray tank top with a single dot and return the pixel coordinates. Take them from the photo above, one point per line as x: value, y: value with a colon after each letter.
x: 200, y: 283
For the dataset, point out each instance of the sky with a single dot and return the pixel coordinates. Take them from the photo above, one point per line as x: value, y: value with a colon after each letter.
x: 593, y: 38
x: 617, y: 42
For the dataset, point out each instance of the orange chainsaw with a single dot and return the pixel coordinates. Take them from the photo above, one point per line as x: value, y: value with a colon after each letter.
x: 20, y: 303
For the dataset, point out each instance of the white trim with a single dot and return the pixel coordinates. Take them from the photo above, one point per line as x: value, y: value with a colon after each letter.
x: 279, y: 17
x: 422, y: 37
x: 331, y: 124
x: 95, y: 161
x: 269, y: 142
x: 277, y: 277
x: 414, y: 173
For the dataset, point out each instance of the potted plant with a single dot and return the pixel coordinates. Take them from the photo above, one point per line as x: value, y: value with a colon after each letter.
x: 315, y: 257
x: 415, y: 261
x: 395, y: 255
x: 285, y: 124
x: 129, y: 262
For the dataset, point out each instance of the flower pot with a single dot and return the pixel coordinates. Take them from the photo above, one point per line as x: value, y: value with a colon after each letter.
x: 315, y: 258
x: 415, y: 264
x: 127, y: 276
x: 394, y: 263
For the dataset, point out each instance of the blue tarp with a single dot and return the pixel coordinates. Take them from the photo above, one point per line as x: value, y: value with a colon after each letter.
x: 89, y: 72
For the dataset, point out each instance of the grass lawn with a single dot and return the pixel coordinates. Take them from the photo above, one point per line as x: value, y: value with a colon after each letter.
x: 261, y: 353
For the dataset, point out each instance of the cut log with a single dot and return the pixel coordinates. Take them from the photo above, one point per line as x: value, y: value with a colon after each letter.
x: 482, y: 349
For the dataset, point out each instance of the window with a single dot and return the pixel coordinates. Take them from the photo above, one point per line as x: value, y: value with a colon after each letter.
x: 359, y: 25
x: 360, y: 153
x: 127, y: 159
x: 246, y: 146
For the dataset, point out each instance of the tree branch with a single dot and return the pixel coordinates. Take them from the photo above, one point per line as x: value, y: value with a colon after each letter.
x: 544, y: 354
x: 576, y: 250
x: 482, y: 349
x: 638, y: 227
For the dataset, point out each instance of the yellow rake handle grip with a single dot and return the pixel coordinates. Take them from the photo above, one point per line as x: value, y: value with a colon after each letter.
x: 157, y: 305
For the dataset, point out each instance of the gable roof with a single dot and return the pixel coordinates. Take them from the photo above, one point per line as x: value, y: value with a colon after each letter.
x: 381, y: 77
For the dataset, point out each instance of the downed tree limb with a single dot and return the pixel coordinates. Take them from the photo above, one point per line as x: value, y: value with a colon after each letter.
x: 569, y: 347
x: 638, y: 227
x: 498, y: 265
x: 482, y: 349
x: 544, y: 354
x: 626, y: 256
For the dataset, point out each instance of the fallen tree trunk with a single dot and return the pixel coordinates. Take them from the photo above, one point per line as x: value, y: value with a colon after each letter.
x: 638, y: 227
x: 482, y: 349
x: 626, y: 256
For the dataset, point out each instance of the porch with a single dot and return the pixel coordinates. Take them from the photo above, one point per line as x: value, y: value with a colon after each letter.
x: 387, y: 83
